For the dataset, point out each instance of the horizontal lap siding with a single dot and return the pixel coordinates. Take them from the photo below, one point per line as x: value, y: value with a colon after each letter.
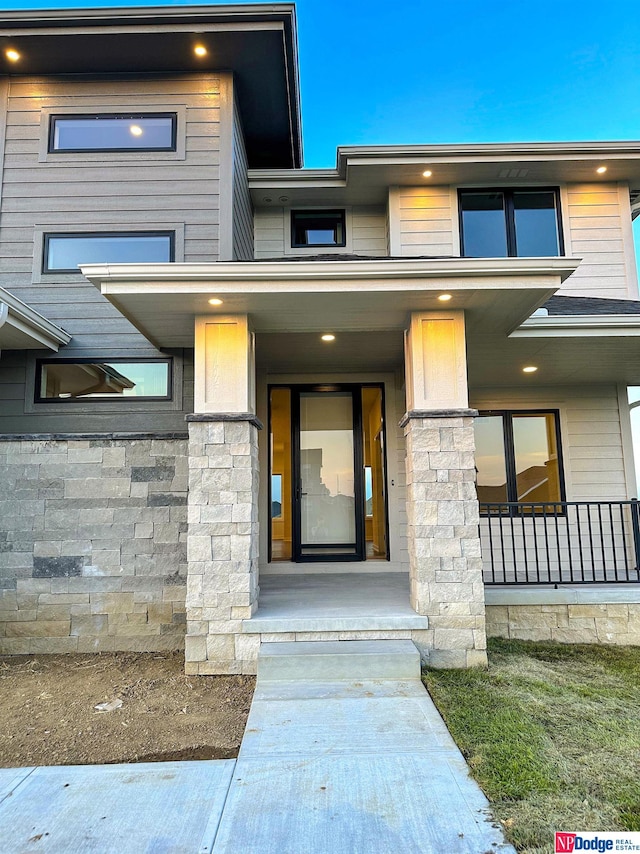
x: 242, y: 205
x: 425, y: 221
x: 367, y: 224
x: 110, y: 191
x: 591, y: 435
x: 595, y: 219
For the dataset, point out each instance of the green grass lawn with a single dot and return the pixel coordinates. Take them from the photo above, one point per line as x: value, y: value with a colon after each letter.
x: 551, y: 733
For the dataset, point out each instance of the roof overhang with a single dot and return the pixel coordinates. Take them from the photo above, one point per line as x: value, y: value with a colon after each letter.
x: 364, y: 174
x: 258, y: 43
x: 22, y: 328
x: 161, y: 300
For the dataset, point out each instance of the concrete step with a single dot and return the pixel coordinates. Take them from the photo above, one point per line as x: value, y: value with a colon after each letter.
x: 337, y: 661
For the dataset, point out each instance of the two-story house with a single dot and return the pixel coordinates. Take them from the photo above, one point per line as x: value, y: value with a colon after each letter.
x: 245, y: 401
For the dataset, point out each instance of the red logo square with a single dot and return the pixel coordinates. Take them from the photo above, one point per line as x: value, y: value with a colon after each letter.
x: 565, y: 843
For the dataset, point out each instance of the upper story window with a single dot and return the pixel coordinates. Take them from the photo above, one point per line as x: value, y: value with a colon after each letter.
x: 113, y: 132
x: 64, y: 252
x: 318, y: 228
x: 500, y: 223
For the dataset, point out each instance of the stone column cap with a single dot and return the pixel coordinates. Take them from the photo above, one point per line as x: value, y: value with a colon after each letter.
x: 437, y: 413
x: 224, y: 416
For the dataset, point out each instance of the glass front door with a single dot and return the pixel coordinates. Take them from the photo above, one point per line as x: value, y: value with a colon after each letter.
x: 327, y: 474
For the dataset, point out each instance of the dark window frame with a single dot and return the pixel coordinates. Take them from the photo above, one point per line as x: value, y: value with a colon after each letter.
x: 46, y: 237
x: 54, y: 117
x: 340, y: 213
x: 507, y: 416
x: 114, y: 398
x: 509, y: 218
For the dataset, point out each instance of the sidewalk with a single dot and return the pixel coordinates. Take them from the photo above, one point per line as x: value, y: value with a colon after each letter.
x: 325, y: 767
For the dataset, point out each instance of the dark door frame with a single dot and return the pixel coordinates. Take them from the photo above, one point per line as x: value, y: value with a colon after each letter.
x: 360, y: 545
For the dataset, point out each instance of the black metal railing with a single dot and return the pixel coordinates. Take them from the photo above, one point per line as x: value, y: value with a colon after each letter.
x: 563, y: 542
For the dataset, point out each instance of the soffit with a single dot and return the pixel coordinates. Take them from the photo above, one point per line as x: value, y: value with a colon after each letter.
x: 22, y: 328
x: 257, y: 44
x: 365, y: 178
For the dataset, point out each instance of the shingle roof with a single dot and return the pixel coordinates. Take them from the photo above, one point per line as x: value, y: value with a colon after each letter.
x: 566, y: 305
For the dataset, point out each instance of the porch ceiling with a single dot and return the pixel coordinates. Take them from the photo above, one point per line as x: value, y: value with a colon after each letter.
x: 162, y: 300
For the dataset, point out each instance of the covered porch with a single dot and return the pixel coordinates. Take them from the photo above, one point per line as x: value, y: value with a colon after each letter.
x: 238, y: 595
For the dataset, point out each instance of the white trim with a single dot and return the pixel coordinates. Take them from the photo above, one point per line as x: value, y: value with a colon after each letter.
x: 624, y: 411
x: 631, y: 269
x: 579, y: 326
x: 566, y: 595
x: 17, y: 315
x: 382, y: 268
x: 395, y: 229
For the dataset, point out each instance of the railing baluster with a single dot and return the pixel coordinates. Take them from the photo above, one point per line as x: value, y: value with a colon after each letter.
x: 589, y: 558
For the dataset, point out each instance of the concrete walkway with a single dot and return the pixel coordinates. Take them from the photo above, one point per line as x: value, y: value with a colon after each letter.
x: 328, y: 765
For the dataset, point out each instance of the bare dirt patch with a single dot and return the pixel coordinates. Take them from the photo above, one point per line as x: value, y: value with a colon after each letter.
x: 47, y: 714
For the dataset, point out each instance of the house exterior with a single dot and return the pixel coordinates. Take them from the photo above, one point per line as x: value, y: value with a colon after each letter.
x: 242, y: 401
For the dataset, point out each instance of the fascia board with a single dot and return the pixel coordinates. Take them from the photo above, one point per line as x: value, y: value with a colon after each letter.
x: 15, y: 313
x: 325, y: 270
x: 583, y: 326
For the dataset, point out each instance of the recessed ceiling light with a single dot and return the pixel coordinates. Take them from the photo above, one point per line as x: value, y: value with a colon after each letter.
x: 427, y: 173
x: 215, y: 301
x: 200, y: 50
x: 328, y: 337
x: 12, y: 55
x: 136, y: 130
x: 601, y: 170
x: 445, y: 297
x: 530, y: 369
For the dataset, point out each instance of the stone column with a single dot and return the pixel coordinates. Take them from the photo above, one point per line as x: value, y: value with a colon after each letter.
x: 442, y: 506
x: 222, y: 540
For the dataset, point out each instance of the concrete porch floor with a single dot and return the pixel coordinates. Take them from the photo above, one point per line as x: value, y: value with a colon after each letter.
x: 334, y: 602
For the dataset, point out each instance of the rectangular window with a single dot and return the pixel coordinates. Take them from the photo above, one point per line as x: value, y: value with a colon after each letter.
x: 518, y: 457
x: 113, y: 132
x: 64, y: 252
x: 318, y: 228
x: 92, y: 380
x: 500, y: 223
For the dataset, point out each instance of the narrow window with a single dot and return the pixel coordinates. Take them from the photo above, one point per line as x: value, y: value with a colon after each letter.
x: 519, y: 223
x: 113, y: 132
x: 64, y: 252
x: 317, y: 228
x: 85, y: 379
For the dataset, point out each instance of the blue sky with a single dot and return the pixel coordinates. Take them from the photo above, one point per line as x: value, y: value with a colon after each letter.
x: 470, y: 71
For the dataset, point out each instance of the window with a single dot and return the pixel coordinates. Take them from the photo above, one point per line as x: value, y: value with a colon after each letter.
x: 113, y: 132
x: 117, y: 379
x: 518, y: 457
x: 64, y: 252
x: 501, y: 223
x: 318, y: 228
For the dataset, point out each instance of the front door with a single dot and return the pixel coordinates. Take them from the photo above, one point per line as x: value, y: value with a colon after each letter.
x: 328, y: 522
x: 327, y: 478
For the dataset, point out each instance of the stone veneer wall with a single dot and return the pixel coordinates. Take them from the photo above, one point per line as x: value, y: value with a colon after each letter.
x: 92, y: 543
x: 444, y: 541
x: 611, y: 623
x: 222, y: 586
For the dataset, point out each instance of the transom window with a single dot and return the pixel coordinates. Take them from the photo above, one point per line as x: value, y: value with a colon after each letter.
x: 85, y: 379
x: 501, y: 223
x: 64, y: 252
x: 318, y: 228
x: 518, y: 457
x: 113, y: 132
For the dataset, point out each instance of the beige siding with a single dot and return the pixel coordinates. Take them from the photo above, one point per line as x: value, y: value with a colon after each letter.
x: 366, y: 232
x: 422, y: 221
x: 242, y: 206
x: 597, y: 229
x: 108, y: 191
x: 591, y: 434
